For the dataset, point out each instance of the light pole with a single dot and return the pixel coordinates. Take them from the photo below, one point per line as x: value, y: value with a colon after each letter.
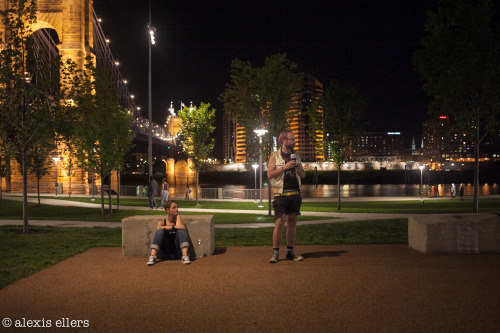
x: 56, y: 159
x: 421, y: 167
x: 260, y: 133
x: 151, y: 39
x: 255, y: 166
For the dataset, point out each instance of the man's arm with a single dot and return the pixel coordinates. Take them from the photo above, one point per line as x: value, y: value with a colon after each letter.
x: 273, y: 171
x: 299, y: 169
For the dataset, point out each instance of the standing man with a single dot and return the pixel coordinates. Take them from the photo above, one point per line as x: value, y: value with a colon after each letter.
x: 152, y: 191
x: 285, y: 172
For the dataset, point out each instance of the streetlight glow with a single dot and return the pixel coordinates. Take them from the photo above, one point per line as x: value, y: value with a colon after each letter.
x: 255, y: 166
x: 421, y: 167
x: 56, y: 159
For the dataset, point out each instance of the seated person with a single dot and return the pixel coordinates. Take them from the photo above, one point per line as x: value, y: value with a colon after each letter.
x: 171, y: 240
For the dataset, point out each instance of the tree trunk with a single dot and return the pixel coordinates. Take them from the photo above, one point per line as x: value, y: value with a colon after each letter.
x: 196, y: 188
x: 109, y: 196
x: 102, y: 196
x: 118, y: 190
x: 38, y: 188
x: 338, y: 187
x: 269, y: 197
x: 25, y: 193
x: 475, y: 208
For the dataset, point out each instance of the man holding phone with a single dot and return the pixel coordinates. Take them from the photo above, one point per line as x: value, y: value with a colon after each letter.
x: 285, y: 173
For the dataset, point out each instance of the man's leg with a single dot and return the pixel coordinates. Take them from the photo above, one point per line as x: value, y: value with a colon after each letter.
x: 279, y: 222
x: 291, y: 230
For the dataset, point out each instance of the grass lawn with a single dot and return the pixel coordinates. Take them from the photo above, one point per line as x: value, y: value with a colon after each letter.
x: 431, y: 206
x: 486, y: 205
x: 393, y: 231
x: 24, y: 254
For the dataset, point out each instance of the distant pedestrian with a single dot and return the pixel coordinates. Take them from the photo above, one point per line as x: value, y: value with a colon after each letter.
x: 152, y: 192
x: 436, y: 191
x: 429, y: 191
x: 315, y: 176
x: 453, y: 191
x: 461, y: 191
x: 165, y: 192
x: 188, y: 193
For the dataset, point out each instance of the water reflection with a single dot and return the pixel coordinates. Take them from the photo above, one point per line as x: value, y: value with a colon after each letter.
x: 348, y: 191
x: 390, y: 190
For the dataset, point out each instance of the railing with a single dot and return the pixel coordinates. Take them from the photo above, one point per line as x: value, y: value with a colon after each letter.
x: 133, y: 191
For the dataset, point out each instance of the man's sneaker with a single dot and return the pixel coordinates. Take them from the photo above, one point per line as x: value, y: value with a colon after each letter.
x: 185, y: 260
x: 151, y: 261
x: 291, y: 256
x: 274, y: 258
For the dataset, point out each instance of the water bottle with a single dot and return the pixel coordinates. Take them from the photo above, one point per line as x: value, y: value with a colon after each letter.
x: 200, y: 250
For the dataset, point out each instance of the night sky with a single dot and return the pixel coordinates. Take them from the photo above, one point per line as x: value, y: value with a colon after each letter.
x: 365, y: 44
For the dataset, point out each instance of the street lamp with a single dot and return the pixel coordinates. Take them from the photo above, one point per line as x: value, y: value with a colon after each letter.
x: 151, y: 39
x: 56, y: 159
x: 421, y: 167
x: 255, y: 166
x: 260, y: 133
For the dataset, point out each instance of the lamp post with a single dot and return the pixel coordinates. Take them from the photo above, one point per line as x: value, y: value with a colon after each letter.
x: 421, y: 167
x: 260, y: 133
x: 56, y: 159
x: 151, y: 39
x: 255, y: 166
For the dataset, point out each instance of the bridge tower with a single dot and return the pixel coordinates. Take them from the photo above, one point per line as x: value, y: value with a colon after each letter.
x: 71, y: 20
x: 71, y: 23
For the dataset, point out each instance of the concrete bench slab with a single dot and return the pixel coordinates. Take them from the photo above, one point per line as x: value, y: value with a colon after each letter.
x: 138, y: 232
x: 454, y: 233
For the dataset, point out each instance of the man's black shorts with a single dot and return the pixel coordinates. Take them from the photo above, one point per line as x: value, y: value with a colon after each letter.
x: 287, y: 205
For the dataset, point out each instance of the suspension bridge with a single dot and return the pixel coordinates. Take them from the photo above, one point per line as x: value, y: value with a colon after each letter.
x: 51, y: 39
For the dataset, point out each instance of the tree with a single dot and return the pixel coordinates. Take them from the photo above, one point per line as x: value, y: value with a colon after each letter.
x: 40, y: 163
x: 102, y: 128
x: 3, y: 166
x: 459, y: 64
x: 337, y: 116
x: 29, y: 105
x: 197, y: 124
x: 70, y: 162
x: 263, y: 98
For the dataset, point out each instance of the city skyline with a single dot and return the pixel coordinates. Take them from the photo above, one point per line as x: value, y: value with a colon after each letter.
x: 365, y: 45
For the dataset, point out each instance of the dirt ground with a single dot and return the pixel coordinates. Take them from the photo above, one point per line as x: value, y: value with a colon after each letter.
x: 341, y: 288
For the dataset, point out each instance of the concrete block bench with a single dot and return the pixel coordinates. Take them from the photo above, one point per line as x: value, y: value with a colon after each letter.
x: 138, y: 232
x: 454, y: 233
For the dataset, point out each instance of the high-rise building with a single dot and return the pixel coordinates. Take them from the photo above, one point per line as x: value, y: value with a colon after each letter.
x: 235, y: 137
x: 441, y: 142
x: 378, y: 146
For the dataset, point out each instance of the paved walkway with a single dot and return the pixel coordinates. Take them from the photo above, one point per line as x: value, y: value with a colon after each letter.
x: 341, y: 288
x: 330, y: 217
